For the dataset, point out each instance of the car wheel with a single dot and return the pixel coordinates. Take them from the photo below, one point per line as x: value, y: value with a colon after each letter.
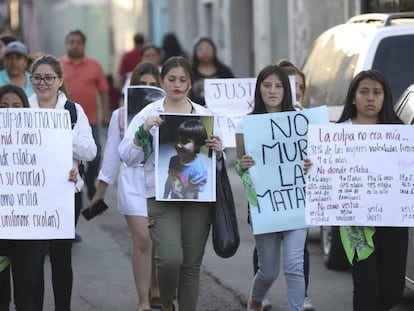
x: 334, y: 256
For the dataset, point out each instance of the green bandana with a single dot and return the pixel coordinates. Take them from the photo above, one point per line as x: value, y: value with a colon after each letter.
x: 247, y: 183
x: 357, y: 241
x: 4, y: 262
x: 144, y: 138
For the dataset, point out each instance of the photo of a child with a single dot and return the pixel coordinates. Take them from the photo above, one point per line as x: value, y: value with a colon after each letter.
x: 185, y: 170
x: 187, y: 175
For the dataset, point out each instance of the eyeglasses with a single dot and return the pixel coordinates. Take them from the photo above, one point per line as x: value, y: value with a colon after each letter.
x: 48, y: 80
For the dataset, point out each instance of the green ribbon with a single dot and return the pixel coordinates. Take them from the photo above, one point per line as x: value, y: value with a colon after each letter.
x: 247, y: 183
x: 4, y: 262
x: 145, y: 139
x: 357, y: 241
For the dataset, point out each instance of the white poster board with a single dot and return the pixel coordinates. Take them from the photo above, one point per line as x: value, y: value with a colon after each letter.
x: 362, y: 175
x: 229, y: 99
x: 36, y: 198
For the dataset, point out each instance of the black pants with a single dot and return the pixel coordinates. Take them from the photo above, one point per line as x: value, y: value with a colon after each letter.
x: 379, y: 280
x: 60, y: 253
x: 5, y: 292
x: 92, y: 168
x: 27, y: 258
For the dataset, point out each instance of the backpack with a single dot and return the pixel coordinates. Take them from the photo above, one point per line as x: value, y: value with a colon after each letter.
x: 70, y: 106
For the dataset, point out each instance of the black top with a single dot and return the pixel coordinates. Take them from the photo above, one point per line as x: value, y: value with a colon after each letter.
x: 197, y: 90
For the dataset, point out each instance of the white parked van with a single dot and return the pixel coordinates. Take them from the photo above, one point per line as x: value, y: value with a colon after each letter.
x: 370, y: 41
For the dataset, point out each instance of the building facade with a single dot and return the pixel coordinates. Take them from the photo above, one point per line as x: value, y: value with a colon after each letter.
x: 249, y: 33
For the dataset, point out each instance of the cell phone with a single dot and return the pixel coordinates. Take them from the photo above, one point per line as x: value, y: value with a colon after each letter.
x: 97, y: 209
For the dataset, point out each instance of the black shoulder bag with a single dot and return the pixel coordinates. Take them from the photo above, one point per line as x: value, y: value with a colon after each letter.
x: 225, y: 231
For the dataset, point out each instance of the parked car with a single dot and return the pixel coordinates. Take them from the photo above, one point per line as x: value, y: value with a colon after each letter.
x: 370, y: 41
x: 405, y: 110
x: 384, y: 42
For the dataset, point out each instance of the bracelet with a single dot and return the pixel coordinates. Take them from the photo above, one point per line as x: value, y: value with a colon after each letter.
x: 144, y: 138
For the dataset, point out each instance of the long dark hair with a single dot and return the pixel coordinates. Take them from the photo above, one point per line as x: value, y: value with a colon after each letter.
x: 171, y: 47
x: 259, y: 105
x: 387, y: 114
x: 11, y: 88
x: 194, y: 59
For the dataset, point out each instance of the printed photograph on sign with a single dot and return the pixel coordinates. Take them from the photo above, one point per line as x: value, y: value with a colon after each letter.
x: 184, y: 166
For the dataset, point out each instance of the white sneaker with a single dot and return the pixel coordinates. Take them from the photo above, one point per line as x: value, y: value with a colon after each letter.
x: 266, y: 303
x: 307, y: 304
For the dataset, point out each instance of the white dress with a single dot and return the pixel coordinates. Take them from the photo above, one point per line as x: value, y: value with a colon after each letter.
x: 131, y: 193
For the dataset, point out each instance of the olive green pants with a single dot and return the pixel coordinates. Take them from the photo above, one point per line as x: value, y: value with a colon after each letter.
x: 179, y: 231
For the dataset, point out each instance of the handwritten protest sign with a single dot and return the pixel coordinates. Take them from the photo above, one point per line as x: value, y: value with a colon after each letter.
x: 36, y: 198
x: 362, y: 175
x: 278, y: 143
x: 229, y: 100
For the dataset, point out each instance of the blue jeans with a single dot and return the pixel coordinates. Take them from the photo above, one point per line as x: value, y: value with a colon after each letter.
x: 269, y: 247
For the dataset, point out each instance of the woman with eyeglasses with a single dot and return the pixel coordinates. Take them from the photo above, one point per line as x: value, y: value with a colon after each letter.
x: 23, y: 258
x: 47, y: 82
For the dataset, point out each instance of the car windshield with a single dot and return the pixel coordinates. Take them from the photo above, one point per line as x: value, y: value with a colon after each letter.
x: 395, y: 59
x: 331, y: 57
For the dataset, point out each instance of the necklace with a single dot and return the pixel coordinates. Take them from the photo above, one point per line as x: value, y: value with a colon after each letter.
x: 176, y: 108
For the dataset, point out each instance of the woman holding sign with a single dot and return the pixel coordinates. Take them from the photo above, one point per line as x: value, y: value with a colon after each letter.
x: 47, y: 81
x: 378, y: 265
x: 131, y: 195
x: 272, y: 95
x: 179, y: 230
x: 25, y: 257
